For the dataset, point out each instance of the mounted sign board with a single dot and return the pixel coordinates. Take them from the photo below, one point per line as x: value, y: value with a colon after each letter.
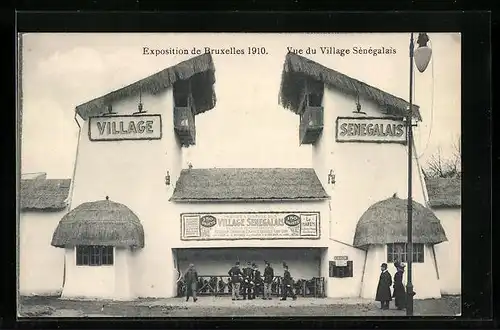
x: 235, y: 226
x: 371, y: 129
x: 131, y: 127
x: 341, y: 261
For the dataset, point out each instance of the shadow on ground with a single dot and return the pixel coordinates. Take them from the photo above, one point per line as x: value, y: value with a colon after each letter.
x: 39, y: 306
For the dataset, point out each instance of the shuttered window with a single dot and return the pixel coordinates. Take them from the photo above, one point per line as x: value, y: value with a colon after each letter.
x: 94, y: 255
x: 398, y: 252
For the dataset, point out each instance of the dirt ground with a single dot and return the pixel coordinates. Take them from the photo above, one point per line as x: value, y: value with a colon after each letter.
x: 224, y: 307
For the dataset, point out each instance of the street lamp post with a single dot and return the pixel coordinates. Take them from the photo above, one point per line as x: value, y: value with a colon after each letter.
x: 422, y: 56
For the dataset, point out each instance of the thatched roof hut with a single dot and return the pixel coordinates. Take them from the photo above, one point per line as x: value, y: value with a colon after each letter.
x: 386, y: 222
x: 40, y: 194
x: 99, y: 223
x: 299, y: 72
x: 444, y: 192
x: 199, y: 70
x: 248, y: 184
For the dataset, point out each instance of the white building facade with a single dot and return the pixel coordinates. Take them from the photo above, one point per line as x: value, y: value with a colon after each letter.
x: 42, y: 204
x: 137, y: 218
x: 445, y: 200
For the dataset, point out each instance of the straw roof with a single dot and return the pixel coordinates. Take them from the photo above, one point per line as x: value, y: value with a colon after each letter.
x: 248, y: 184
x: 297, y: 70
x: 99, y: 223
x: 40, y: 194
x: 199, y: 70
x: 386, y: 222
x: 444, y: 192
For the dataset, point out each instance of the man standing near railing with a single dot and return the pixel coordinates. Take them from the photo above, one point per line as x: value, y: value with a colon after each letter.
x: 248, y: 279
x: 236, y: 277
x: 191, y: 280
x: 268, y: 280
x: 257, y: 280
x: 287, y: 284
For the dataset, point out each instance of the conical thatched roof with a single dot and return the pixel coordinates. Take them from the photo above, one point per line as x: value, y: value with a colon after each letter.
x: 298, y: 70
x: 386, y: 222
x: 99, y: 223
x: 199, y: 70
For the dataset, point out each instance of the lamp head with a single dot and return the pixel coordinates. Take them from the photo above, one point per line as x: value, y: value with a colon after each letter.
x: 422, y: 55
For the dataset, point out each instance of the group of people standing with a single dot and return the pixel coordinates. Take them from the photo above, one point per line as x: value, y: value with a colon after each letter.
x: 247, y: 283
x: 255, y: 284
x: 384, y: 287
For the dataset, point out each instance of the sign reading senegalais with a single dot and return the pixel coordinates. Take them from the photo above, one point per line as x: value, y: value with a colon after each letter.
x: 371, y: 129
x: 231, y: 226
x: 132, y: 127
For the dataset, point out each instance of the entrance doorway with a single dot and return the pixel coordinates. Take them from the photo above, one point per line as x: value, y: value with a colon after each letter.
x: 213, y: 264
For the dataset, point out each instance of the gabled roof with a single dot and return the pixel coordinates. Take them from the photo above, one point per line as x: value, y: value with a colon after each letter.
x: 199, y: 70
x: 44, y: 194
x: 444, y: 192
x: 297, y: 70
x: 248, y: 184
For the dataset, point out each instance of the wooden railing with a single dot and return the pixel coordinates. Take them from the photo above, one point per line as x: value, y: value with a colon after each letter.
x: 215, y: 285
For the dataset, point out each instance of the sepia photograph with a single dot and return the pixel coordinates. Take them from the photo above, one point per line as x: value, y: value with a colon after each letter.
x: 239, y: 174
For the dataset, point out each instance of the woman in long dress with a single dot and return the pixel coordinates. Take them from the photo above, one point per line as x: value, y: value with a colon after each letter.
x: 399, y: 293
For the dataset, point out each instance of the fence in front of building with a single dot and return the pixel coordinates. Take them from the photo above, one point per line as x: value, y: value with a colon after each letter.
x: 213, y: 285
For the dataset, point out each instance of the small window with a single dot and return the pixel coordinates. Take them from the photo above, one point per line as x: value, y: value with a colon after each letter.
x: 315, y: 100
x: 398, y: 252
x: 94, y: 255
x: 340, y: 271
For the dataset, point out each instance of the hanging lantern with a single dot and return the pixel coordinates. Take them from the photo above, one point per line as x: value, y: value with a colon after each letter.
x: 422, y: 55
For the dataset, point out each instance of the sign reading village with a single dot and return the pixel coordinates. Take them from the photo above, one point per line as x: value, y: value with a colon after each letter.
x: 370, y: 129
x: 133, y: 127
x: 231, y: 226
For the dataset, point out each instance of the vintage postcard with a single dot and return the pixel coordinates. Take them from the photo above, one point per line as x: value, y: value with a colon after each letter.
x: 239, y: 174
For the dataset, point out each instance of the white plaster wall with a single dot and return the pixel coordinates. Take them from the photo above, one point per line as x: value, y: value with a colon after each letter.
x: 88, y: 281
x: 346, y: 286
x: 313, y: 206
x: 123, y: 290
x: 424, y: 275
x: 449, y: 254
x: 41, y: 266
x: 365, y: 172
x: 133, y: 173
x: 303, y: 263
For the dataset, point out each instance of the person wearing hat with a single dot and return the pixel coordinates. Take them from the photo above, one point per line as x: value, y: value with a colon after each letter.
x: 399, y: 292
x: 257, y: 279
x: 287, y: 284
x: 236, y: 276
x: 384, y: 287
x: 191, y: 280
x: 247, y: 281
x: 268, y: 280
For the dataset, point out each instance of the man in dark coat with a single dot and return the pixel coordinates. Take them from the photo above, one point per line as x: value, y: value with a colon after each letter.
x: 268, y: 280
x: 247, y: 281
x: 384, y: 287
x: 191, y: 280
x: 399, y: 292
x: 287, y: 284
x: 257, y: 280
x: 236, y: 276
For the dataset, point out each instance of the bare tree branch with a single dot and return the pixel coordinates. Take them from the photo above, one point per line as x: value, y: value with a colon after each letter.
x: 445, y: 168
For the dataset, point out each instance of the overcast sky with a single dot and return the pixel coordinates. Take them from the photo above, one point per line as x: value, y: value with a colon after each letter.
x: 247, y: 128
